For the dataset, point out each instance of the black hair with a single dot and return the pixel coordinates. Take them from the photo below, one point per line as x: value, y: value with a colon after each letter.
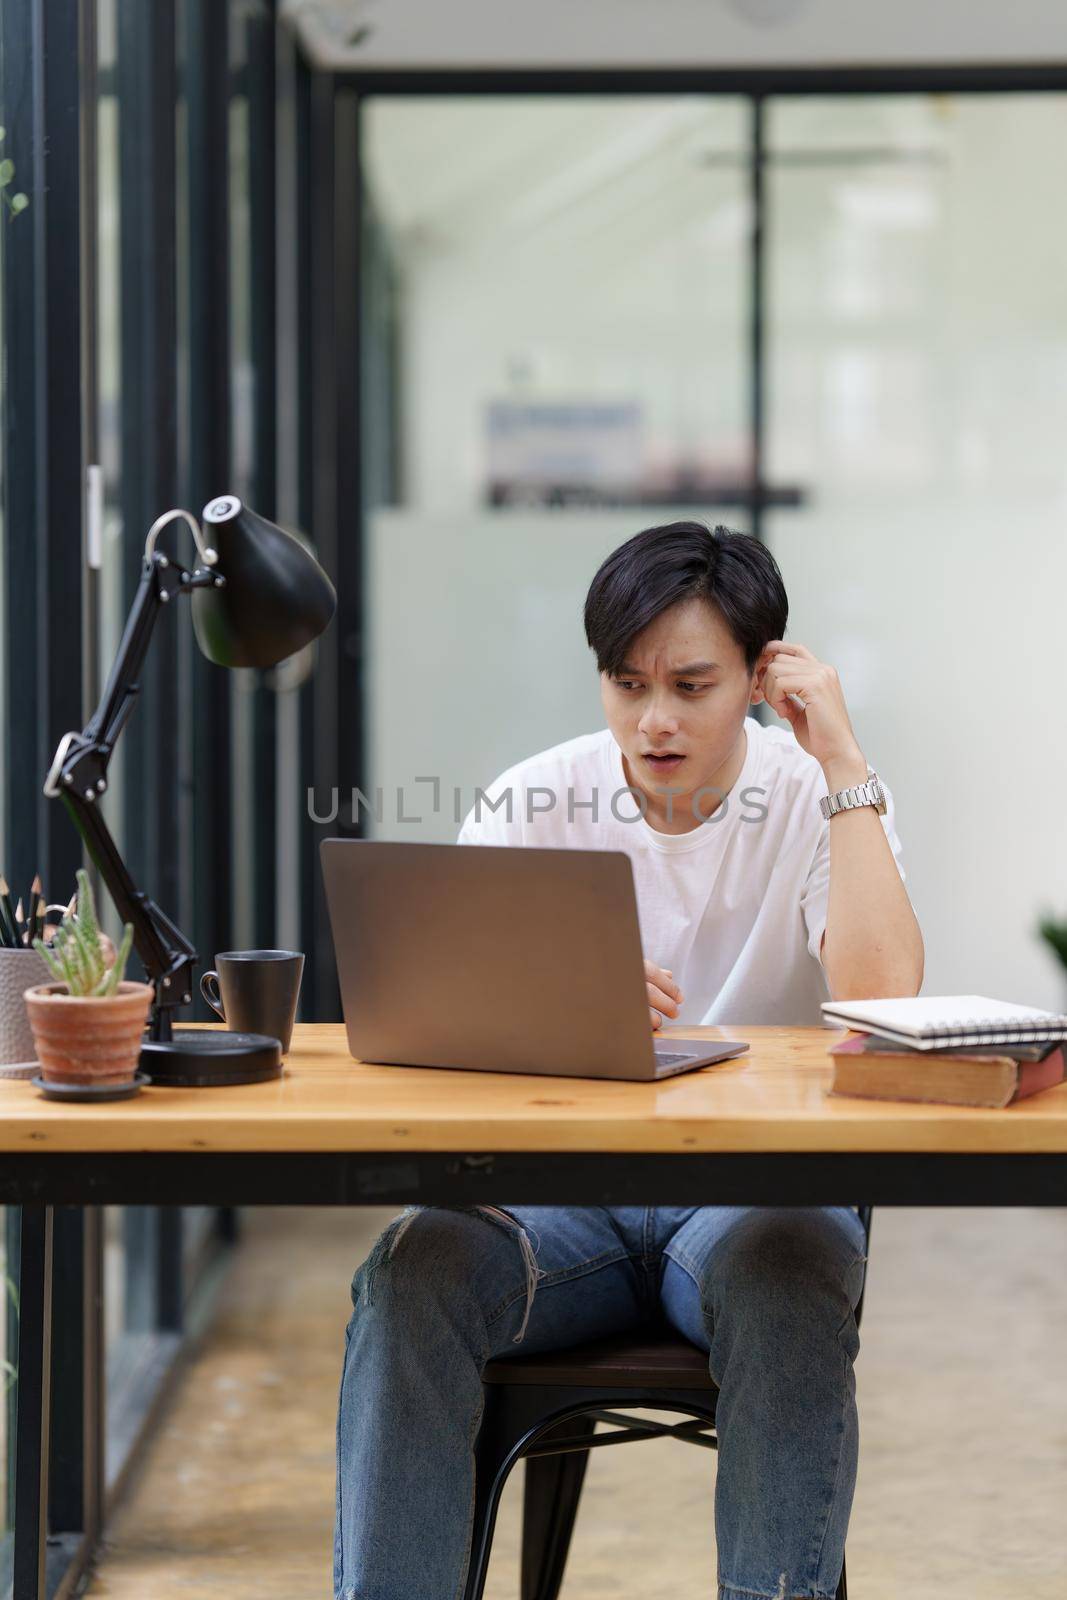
x: 683, y: 561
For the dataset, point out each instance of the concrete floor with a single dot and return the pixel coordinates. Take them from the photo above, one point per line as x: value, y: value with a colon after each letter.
x: 963, y: 1398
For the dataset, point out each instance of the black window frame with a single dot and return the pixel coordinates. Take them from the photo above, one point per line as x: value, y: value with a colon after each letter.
x: 104, y: 1410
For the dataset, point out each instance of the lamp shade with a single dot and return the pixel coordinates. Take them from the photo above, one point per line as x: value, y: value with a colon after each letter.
x: 276, y: 597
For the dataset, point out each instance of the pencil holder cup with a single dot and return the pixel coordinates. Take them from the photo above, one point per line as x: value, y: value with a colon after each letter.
x: 19, y: 971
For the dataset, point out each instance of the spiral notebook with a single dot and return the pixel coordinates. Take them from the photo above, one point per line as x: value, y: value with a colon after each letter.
x: 929, y: 1022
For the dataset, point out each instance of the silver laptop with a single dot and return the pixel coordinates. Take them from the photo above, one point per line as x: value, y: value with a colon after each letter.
x: 496, y: 959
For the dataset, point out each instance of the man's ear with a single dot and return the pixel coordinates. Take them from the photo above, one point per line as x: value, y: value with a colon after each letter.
x: 756, y: 694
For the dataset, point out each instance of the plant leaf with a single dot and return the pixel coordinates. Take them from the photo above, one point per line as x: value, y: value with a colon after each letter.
x: 64, y: 949
x: 79, y: 962
x: 53, y: 965
x: 68, y: 955
x: 1055, y: 935
x: 87, y: 908
x: 114, y: 977
x: 94, y: 955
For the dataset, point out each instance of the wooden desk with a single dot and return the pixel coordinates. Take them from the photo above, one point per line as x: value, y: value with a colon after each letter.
x: 333, y: 1131
x: 756, y: 1130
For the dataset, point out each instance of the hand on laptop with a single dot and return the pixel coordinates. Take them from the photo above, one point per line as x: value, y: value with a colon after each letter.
x: 664, y: 995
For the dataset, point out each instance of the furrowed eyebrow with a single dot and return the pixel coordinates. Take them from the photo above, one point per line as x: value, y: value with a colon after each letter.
x: 693, y: 670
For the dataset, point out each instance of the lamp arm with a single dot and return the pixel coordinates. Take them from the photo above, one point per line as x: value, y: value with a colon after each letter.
x: 78, y: 776
x: 166, y: 954
x: 161, y: 580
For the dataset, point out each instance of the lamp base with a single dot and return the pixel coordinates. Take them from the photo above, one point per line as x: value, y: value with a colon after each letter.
x: 198, y: 1058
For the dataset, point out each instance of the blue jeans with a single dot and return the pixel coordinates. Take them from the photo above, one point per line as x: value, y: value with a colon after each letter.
x: 769, y: 1293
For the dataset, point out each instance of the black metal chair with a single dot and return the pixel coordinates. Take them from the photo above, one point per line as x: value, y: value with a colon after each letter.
x: 543, y: 1410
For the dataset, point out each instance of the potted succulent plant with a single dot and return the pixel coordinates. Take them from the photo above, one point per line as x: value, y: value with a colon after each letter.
x: 88, y: 1025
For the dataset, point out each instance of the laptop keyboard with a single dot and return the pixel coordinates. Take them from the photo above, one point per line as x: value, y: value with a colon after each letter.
x: 667, y: 1058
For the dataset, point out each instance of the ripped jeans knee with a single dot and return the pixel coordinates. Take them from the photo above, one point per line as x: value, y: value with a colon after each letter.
x: 386, y: 1244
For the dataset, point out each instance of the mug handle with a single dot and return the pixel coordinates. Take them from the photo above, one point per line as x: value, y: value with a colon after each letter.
x: 209, y: 988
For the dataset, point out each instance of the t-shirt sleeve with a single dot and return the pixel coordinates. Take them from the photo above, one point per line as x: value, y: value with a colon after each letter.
x: 496, y: 815
x: 816, y: 892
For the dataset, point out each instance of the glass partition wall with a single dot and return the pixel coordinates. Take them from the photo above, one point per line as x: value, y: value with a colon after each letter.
x: 916, y: 364
x: 541, y: 272
x: 837, y: 321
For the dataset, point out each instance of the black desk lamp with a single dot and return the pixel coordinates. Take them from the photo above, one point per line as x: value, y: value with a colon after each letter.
x: 258, y: 596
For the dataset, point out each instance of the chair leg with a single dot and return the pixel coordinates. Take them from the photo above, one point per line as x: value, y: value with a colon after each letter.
x: 842, y: 1587
x: 510, y: 1415
x: 550, y: 1506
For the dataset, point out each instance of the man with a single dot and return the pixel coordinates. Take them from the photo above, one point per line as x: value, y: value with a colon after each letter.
x: 753, y: 906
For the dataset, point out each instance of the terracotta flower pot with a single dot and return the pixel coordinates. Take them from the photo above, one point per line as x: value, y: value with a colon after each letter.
x: 88, y: 1038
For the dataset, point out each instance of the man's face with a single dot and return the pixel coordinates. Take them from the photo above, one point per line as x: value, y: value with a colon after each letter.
x: 677, y: 708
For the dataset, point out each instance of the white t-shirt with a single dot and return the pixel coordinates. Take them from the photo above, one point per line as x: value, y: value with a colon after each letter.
x: 736, y: 908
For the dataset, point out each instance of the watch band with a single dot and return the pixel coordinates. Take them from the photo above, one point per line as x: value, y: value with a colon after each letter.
x: 870, y: 793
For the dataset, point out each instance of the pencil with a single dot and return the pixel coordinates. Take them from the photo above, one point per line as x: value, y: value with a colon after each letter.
x: 8, y: 910
x: 35, y: 898
x: 19, y: 932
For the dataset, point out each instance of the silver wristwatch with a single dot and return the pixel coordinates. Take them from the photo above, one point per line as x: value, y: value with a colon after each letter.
x: 870, y: 793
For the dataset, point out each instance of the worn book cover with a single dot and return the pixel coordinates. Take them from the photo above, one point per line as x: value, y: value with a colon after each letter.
x: 961, y: 1077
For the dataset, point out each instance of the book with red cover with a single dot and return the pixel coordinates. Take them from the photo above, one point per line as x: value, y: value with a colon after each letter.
x: 875, y: 1070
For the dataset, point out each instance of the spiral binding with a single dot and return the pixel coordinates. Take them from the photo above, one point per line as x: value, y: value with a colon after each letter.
x: 996, y: 1031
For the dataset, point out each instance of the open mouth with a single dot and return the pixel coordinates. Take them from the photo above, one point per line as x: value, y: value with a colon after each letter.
x: 663, y: 763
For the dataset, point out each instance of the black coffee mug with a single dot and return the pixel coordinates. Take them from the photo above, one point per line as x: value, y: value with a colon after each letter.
x: 256, y: 991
